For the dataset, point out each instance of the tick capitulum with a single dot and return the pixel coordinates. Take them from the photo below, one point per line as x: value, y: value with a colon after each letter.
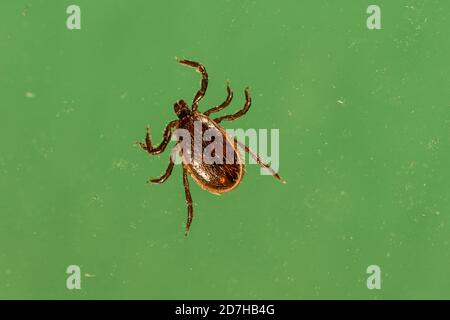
x: 213, y: 177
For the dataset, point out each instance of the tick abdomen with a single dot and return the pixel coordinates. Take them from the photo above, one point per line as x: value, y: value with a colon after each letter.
x: 211, y: 157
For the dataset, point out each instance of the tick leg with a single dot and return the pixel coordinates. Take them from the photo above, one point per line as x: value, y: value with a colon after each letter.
x: 258, y: 160
x: 240, y: 113
x: 147, y: 146
x: 204, y: 84
x: 223, y: 105
x: 166, y: 175
x: 188, y: 200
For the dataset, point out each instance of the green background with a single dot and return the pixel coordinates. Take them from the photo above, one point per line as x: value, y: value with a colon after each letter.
x: 364, y: 119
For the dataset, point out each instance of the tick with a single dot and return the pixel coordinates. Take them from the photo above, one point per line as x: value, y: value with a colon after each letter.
x: 216, y: 178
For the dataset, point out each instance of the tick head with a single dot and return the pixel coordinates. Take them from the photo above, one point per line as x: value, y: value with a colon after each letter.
x: 181, y: 108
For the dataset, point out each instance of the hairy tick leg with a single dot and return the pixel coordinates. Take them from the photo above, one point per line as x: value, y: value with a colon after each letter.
x: 224, y: 104
x: 204, y: 84
x: 166, y: 174
x: 240, y: 113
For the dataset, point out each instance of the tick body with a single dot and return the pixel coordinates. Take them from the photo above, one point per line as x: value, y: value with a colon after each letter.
x: 217, y: 178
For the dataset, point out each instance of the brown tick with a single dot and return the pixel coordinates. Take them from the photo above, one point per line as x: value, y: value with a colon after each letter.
x: 213, y: 177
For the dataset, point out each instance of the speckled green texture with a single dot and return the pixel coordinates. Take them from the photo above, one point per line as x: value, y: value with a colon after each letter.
x: 364, y: 119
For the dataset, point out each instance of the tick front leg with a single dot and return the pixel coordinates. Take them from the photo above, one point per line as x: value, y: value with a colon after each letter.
x: 166, y: 175
x: 224, y: 104
x: 147, y: 146
x: 204, y: 84
x: 258, y: 160
x: 240, y: 113
x: 188, y: 200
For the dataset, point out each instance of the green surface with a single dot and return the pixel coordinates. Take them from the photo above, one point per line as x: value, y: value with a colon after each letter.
x: 364, y: 119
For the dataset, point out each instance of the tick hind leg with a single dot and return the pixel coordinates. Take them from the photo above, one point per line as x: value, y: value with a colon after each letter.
x: 204, y: 84
x: 147, y: 145
x: 258, y: 160
x: 188, y: 200
x: 224, y: 104
x: 240, y: 113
